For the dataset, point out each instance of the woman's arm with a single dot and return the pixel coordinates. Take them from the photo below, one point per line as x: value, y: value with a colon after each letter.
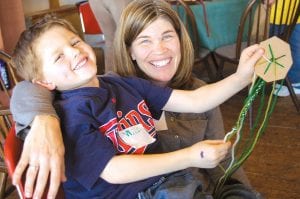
x: 29, y: 100
x: 37, y: 123
x: 212, y: 95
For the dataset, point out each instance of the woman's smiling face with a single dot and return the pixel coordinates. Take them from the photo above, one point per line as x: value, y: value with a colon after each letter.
x: 156, y: 50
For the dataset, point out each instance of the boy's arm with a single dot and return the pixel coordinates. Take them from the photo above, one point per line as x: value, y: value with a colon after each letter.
x: 205, y: 154
x: 31, y: 106
x: 212, y: 95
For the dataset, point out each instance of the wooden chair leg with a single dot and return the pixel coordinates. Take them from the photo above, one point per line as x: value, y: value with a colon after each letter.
x: 3, y: 178
x: 214, y: 60
x: 209, y: 70
x: 220, y: 74
x: 296, y: 101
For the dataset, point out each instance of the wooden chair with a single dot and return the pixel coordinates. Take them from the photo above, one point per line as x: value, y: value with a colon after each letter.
x: 7, y: 80
x: 284, y: 32
x: 202, y: 55
x: 252, y: 31
x: 246, y: 36
x: 5, y: 123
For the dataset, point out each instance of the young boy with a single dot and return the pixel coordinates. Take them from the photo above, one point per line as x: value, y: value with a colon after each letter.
x: 107, y: 121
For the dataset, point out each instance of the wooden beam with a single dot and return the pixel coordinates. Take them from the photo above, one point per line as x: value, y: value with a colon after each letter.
x: 54, y: 4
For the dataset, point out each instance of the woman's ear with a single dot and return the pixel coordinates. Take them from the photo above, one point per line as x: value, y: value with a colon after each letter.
x: 49, y: 85
x: 132, y: 55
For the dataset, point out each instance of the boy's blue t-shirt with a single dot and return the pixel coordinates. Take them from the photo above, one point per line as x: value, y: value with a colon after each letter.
x: 91, y: 119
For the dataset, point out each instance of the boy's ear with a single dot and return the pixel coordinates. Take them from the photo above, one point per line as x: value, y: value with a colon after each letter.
x: 49, y: 85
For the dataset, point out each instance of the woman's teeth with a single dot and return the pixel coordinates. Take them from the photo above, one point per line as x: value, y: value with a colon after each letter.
x: 160, y: 63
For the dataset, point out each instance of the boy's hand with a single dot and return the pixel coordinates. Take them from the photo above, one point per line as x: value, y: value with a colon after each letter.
x: 248, y: 59
x: 43, y: 156
x: 208, y: 153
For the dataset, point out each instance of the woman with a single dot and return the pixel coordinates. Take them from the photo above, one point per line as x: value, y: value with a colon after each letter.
x: 152, y: 53
x: 147, y: 53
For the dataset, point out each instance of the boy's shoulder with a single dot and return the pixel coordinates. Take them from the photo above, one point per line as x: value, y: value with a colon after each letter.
x: 132, y: 84
x: 114, y: 78
x: 113, y: 75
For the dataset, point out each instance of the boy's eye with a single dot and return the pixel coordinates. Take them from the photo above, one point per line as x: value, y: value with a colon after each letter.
x: 75, y: 42
x: 58, y: 58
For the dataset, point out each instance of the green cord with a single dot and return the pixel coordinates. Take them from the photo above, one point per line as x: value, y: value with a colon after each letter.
x: 258, y: 88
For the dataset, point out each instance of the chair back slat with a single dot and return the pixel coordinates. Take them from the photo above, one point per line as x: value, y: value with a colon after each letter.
x: 188, y: 18
x: 253, y: 26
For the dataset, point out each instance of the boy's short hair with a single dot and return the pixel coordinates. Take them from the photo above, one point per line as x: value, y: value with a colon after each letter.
x: 24, y: 57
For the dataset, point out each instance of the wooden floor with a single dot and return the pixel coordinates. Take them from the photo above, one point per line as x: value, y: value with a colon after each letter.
x: 274, y: 166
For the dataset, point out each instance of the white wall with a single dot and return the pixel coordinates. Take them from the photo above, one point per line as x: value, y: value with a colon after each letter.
x: 30, y: 6
x: 36, y: 5
x: 64, y: 2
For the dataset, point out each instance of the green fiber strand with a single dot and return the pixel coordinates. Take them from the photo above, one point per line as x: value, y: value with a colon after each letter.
x: 260, y: 123
x: 276, y: 63
x: 257, y: 120
x: 279, y: 57
x: 252, y: 143
x: 267, y: 68
x: 271, y: 51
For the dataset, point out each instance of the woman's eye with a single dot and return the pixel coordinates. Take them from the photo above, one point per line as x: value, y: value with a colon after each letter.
x: 145, y: 41
x: 167, y: 37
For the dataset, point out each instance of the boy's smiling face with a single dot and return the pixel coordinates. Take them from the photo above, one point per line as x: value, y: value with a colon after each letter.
x: 67, y: 61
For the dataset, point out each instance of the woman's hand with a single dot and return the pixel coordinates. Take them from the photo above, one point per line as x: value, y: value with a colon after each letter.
x: 208, y: 153
x: 43, y: 156
x: 248, y: 59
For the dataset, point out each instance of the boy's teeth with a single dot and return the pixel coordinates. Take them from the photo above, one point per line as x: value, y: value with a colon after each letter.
x: 80, y: 64
x: 160, y: 63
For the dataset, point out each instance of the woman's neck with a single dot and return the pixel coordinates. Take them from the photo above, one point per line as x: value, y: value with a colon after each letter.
x: 158, y: 83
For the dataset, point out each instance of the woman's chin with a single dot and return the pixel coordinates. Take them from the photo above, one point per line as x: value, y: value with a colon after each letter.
x: 162, y: 80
